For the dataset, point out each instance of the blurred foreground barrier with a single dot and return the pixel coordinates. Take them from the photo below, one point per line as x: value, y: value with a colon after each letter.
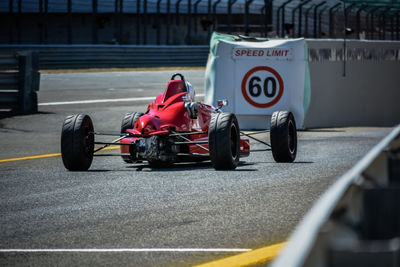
x: 357, y: 221
x: 114, y: 56
x: 19, y: 81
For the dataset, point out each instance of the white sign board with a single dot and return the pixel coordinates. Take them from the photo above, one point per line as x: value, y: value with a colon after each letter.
x: 258, y: 78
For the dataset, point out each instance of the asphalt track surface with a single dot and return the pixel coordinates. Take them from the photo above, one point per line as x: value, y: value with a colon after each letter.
x: 116, y: 205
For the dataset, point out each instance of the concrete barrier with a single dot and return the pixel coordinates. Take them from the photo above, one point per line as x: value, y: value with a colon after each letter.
x: 353, y: 83
x: 368, y: 94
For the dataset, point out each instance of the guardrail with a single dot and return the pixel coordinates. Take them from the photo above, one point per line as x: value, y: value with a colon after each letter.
x: 357, y: 221
x: 114, y: 56
x: 19, y: 81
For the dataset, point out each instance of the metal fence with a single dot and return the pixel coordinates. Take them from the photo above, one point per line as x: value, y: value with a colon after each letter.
x: 178, y: 22
x: 114, y: 56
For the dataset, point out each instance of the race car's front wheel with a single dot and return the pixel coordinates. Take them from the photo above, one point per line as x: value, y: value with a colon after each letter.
x: 224, y: 141
x: 77, y: 142
x: 283, y: 136
x: 127, y: 123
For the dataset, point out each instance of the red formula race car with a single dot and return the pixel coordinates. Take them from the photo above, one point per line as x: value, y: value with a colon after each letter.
x: 176, y: 128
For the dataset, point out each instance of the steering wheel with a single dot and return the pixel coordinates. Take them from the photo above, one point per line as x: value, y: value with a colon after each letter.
x: 182, y: 78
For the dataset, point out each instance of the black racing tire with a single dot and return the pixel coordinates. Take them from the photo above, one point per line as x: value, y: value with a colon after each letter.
x: 283, y: 136
x: 77, y: 142
x: 224, y: 141
x: 129, y: 120
x: 127, y: 123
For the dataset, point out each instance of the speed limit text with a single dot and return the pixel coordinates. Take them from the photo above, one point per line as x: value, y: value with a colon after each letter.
x: 261, y: 52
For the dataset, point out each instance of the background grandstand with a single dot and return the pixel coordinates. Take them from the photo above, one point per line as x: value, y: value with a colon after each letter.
x: 190, y: 22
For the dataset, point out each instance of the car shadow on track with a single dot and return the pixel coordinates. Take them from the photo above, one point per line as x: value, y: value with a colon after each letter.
x: 316, y: 130
x: 274, y: 162
x: 98, y: 170
x: 193, y: 165
x: 187, y: 166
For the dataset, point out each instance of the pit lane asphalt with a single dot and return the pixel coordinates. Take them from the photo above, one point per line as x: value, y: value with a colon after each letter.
x: 117, y: 205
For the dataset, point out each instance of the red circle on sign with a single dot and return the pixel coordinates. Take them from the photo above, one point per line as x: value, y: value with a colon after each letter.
x: 268, y: 104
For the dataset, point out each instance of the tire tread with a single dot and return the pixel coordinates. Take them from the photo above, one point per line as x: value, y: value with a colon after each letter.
x: 279, y: 136
x: 219, y: 141
x: 72, y: 147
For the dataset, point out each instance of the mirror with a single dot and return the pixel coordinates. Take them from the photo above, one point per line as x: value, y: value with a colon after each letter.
x: 222, y: 103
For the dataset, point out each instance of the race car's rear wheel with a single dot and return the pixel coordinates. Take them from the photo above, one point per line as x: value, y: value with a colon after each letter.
x: 77, y: 142
x: 224, y: 141
x: 283, y: 136
x: 127, y: 123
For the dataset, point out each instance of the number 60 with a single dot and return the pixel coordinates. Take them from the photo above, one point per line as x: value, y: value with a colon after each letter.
x: 255, y: 87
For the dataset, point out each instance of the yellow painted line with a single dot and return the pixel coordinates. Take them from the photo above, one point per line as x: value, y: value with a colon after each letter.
x: 32, y: 157
x: 256, y: 256
x: 46, y: 155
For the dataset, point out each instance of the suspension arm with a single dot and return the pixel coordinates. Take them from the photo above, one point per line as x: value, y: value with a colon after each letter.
x: 256, y: 139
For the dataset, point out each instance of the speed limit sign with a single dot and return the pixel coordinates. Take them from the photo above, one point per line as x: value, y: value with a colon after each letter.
x: 262, y: 87
x: 258, y: 78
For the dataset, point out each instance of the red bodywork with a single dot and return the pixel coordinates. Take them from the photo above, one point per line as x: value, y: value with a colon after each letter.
x: 168, y: 113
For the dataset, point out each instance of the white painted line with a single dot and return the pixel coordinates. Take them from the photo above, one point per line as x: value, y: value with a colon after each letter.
x: 133, y: 99
x: 125, y: 250
x: 97, y: 101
